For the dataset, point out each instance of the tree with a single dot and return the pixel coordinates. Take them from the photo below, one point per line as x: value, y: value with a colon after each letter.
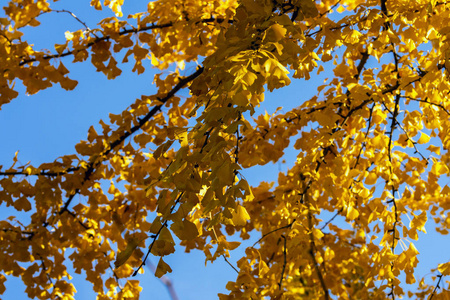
x: 372, y: 148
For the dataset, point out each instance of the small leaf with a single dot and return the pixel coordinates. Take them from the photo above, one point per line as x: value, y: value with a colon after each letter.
x: 240, y: 216
x: 162, y: 268
x: 424, y: 138
x: 124, y: 255
x: 275, y: 33
x: 184, y: 230
x: 352, y: 213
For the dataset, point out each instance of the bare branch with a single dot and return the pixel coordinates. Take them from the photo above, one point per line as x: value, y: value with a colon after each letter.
x: 436, y: 287
x: 224, y: 257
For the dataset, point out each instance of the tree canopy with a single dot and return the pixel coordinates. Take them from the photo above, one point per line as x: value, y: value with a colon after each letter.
x: 372, y: 148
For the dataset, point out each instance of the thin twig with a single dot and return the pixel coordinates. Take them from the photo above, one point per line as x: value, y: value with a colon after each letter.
x: 431, y: 103
x: 284, y: 262
x: 155, y: 236
x: 224, y: 257
x: 73, y: 15
x: 331, y: 220
x: 436, y: 287
x: 272, y: 231
x: 311, y: 252
x: 107, y: 37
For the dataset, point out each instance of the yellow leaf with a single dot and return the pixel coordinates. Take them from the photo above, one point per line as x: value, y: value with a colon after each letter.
x: 418, y: 222
x: 352, y: 213
x: 318, y: 234
x: 309, y: 8
x: 184, y: 230
x: 164, y: 245
x: 444, y: 268
x: 434, y: 149
x: 439, y: 168
x: 162, y: 268
x: 183, y: 138
x: 162, y: 149
x: 240, y: 216
x: 2, y: 285
x: 424, y: 138
x: 96, y: 4
x: 275, y: 33
x: 124, y: 255
x: 340, y: 9
x: 371, y: 178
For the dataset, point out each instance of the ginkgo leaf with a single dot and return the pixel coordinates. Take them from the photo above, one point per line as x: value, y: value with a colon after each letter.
x: 371, y: 178
x: 240, y: 216
x: 162, y: 268
x: 352, y: 213
x: 165, y: 244
x: 418, y: 222
x: 444, y: 268
x: 424, y: 138
x: 124, y: 255
x: 184, y: 230
x: 275, y: 33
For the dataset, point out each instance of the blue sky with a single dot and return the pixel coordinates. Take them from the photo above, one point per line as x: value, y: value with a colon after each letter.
x: 49, y: 124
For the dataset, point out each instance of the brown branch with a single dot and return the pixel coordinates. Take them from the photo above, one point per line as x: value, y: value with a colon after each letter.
x: 155, y: 236
x: 385, y: 12
x: 120, y: 33
x: 363, y: 145
x: 436, y: 287
x: 431, y: 103
x: 94, y: 164
x: 391, y: 132
x: 408, y: 138
x: 41, y: 173
x: 236, y: 150
x: 311, y: 252
x: 224, y: 257
x: 272, y: 231
x: 362, y: 63
x: 331, y: 220
x: 284, y: 263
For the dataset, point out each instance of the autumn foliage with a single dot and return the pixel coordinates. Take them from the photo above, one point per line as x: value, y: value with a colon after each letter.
x: 372, y: 148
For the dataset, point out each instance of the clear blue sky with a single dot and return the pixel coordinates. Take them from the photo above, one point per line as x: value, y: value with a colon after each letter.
x: 48, y: 125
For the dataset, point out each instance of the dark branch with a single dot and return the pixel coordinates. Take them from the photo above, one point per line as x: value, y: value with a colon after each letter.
x: 224, y: 257
x: 41, y: 173
x: 155, y: 236
x: 436, y: 287
x: 284, y: 263
x: 123, y: 32
x: 331, y: 220
x: 272, y: 231
x: 94, y: 164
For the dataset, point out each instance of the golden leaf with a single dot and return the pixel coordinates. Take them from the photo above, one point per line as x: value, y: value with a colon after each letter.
x: 240, y: 216
x: 162, y: 268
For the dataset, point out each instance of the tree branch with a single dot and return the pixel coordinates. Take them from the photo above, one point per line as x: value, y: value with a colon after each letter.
x: 272, y: 231
x: 284, y: 263
x: 436, y: 287
x: 94, y: 164
x: 120, y: 33
x: 155, y: 236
